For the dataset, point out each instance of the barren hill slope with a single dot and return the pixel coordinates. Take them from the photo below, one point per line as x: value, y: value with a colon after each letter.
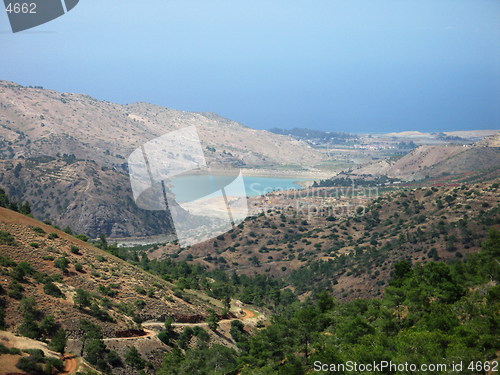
x: 436, y: 161
x: 121, y: 294
x: 421, y: 158
x: 353, y: 255
x: 67, y: 154
x: 45, y: 122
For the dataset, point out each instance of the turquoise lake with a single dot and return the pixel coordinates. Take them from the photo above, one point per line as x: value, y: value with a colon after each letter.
x: 188, y: 188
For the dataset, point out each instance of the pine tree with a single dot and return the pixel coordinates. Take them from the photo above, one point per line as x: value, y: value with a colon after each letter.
x: 58, y: 342
x: 134, y: 359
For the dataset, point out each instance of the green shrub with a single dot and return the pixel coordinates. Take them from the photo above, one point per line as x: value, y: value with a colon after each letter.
x: 134, y: 359
x: 82, y: 298
x: 58, y: 342
x: 6, y: 238
x: 164, y: 337
x: 62, y: 263
x: 35, y: 353
x: 74, y: 249
x: 15, y: 290
x: 5, y: 350
x: 29, y: 365
x: 52, y: 290
x: 78, y: 267
x: 201, y: 334
x: 140, y: 304
x: 106, y: 291
x: 38, y: 230
x: 6, y: 261
x: 82, y: 237
x: 114, y: 359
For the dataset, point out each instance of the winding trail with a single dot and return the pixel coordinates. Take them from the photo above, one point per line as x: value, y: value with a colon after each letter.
x: 148, y: 334
x: 70, y: 364
x: 71, y: 360
x: 248, y: 315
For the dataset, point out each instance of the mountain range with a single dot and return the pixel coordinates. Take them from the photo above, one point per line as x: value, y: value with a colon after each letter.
x: 67, y: 154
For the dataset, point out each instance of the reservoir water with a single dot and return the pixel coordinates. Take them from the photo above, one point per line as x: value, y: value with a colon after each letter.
x: 188, y: 188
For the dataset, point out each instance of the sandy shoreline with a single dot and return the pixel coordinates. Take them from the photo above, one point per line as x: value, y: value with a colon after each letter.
x: 269, y: 173
x: 276, y: 173
x: 304, y: 179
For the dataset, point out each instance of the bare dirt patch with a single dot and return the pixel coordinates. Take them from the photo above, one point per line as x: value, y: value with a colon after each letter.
x: 8, y: 364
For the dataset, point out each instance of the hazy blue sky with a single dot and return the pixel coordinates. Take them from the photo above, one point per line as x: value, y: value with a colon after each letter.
x: 371, y: 65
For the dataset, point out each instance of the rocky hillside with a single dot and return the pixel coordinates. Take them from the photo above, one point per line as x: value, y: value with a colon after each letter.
x: 437, y: 161
x: 59, y: 294
x: 37, y: 122
x: 353, y: 254
x: 67, y: 153
x: 44, y: 263
x: 80, y: 194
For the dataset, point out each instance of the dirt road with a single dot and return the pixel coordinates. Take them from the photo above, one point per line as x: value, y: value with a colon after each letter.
x: 70, y: 364
x: 148, y: 334
x: 249, y: 314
